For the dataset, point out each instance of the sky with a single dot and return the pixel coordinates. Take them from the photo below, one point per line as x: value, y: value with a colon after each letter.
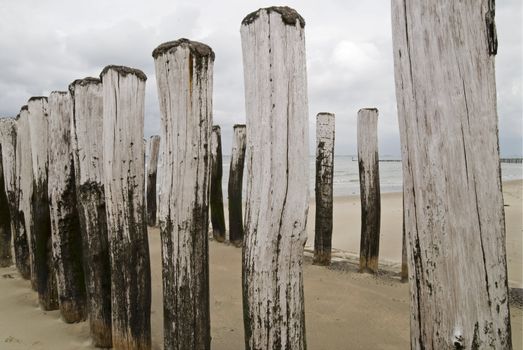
x: 45, y: 45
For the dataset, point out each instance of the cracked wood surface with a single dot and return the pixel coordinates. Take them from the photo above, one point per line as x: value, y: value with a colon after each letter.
x: 454, y: 216
x: 24, y: 175
x: 184, y: 74
x: 153, y: 147
x: 277, y: 181
x: 65, y: 226
x: 325, y: 133
x: 368, y: 163
x: 87, y: 144
x: 41, y: 218
x: 216, y: 195
x: 124, y: 182
x: 235, y: 185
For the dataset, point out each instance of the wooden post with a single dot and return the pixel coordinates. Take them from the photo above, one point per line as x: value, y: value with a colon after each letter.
x: 9, y: 210
x: 66, y: 236
x: 124, y: 175
x: 404, y: 259
x: 5, y: 218
x: 273, y: 43
x: 24, y: 240
x: 41, y: 229
x: 368, y: 161
x: 152, y: 168
x: 184, y: 76
x: 217, y: 214
x: 87, y: 143
x: 454, y: 217
x: 235, y: 186
x: 325, y: 131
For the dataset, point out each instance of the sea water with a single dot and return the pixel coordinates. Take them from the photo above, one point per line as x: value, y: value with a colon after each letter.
x: 346, y: 175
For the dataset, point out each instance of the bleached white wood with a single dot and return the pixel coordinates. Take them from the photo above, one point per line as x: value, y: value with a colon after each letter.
x: 325, y: 130
x: 153, y: 146
x: 9, y: 211
x: 454, y: 217
x: 184, y: 78
x: 87, y: 144
x: 24, y: 174
x: 41, y: 219
x: 274, y: 60
x: 368, y: 164
x: 65, y: 226
x: 124, y: 181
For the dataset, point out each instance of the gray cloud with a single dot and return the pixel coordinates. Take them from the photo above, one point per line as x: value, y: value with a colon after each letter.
x: 46, y: 45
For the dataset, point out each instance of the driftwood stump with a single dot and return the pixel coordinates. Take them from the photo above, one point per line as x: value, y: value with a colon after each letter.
x: 325, y: 130
x: 124, y: 179
x: 87, y: 143
x: 41, y: 221
x: 153, y: 146
x: 368, y: 162
x: 24, y: 177
x: 8, y: 205
x: 454, y: 217
x: 235, y: 185
x: 66, y: 236
x: 217, y: 214
x: 184, y: 76
x: 273, y: 44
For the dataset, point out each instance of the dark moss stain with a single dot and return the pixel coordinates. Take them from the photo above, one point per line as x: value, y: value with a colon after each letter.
x: 23, y: 108
x: 289, y: 16
x: 5, y: 221
x: 234, y: 191
x: 122, y: 70
x: 36, y: 98
x: 197, y: 49
x: 216, y: 198
x: 490, y: 23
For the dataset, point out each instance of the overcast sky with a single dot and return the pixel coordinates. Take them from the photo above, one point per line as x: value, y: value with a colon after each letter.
x: 45, y: 45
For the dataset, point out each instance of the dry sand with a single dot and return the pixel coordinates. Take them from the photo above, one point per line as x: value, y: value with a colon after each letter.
x: 344, y: 309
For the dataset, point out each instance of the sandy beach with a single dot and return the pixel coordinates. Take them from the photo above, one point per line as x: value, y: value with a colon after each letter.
x: 344, y: 309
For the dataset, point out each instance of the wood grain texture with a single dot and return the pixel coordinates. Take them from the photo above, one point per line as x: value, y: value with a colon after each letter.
x: 24, y: 174
x: 216, y: 197
x: 454, y: 216
x: 8, y: 207
x: 277, y: 180
x: 153, y: 146
x: 184, y: 74
x: 404, y: 274
x: 65, y: 225
x: 235, y: 185
x: 124, y: 182
x: 325, y: 130
x: 368, y: 163
x: 41, y: 217
x: 87, y: 144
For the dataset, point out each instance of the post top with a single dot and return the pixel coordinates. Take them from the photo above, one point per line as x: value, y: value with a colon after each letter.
x: 238, y: 126
x: 59, y: 93
x: 85, y: 81
x: 35, y: 98
x: 372, y: 110
x: 24, y: 108
x: 216, y: 127
x: 123, y: 70
x: 154, y: 137
x: 326, y: 113
x: 197, y: 48
x: 289, y: 16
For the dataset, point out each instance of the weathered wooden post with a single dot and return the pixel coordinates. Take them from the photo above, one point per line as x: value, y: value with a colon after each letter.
x: 217, y: 214
x: 404, y: 274
x: 66, y: 236
x: 5, y: 217
x: 235, y: 185
x: 446, y: 97
x: 87, y: 143
x: 325, y: 129
x: 368, y: 162
x: 24, y: 240
x: 41, y: 229
x: 275, y: 75
x: 124, y: 179
x: 184, y: 77
x: 153, y: 146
